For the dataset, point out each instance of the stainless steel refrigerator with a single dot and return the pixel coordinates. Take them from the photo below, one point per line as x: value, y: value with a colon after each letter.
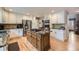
x: 27, y: 25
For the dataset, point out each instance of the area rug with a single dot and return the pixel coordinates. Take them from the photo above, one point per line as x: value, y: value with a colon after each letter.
x: 13, y: 47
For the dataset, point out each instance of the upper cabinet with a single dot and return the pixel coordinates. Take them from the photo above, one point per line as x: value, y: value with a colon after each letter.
x: 12, y: 18
x: 59, y: 17
x: 0, y: 15
x: 8, y: 17
x: 5, y: 16
x: 35, y: 23
x: 54, y: 18
x: 19, y: 18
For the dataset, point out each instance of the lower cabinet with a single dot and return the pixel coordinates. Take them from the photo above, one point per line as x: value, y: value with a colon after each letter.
x: 29, y: 36
x: 4, y: 48
x: 43, y: 42
x: 40, y: 41
x: 38, y: 44
x: 46, y: 41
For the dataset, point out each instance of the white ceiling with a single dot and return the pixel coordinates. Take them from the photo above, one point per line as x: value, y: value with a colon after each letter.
x: 41, y: 11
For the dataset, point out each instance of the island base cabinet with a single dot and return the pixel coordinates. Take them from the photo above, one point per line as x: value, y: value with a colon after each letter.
x: 38, y: 46
x: 33, y: 42
x: 40, y: 41
x: 46, y: 42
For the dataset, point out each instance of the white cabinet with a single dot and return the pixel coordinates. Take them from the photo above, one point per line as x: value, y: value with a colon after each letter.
x: 19, y: 18
x: 60, y: 35
x: 20, y: 32
x: 3, y: 48
x: 8, y: 17
x: 58, y: 17
x: 61, y: 18
x: 35, y: 24
x: 13, y: 33
x: 54, y: 18
x: 57, y: 34
x: 5, y: 17
x: 53, y: 33
x: 12, y: 18
x: 0, y: 15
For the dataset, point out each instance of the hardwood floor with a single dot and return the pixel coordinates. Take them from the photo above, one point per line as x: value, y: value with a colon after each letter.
x: 57, y: 45
x: 20, y: 41
x: 71, y: 45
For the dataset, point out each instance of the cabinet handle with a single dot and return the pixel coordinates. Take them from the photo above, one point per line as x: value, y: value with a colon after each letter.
x: 50, y: 31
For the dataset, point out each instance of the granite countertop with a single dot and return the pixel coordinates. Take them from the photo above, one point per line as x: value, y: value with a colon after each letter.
x: 42, y: 32
x: 3, y: 39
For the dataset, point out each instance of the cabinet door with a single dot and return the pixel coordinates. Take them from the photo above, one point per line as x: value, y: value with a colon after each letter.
x: 5, y: 17
x: 61, y: 18
x: 52, y: 33
x: 35, y: 24
x: 46, y: 42
x: 54, y: 18
x: 38, y: 44
x: 55, y: 33
x: 0, y: 15
x: 19, y: 18
x: 60, y: 35
x: 2, y: 49
x: 12, y: 18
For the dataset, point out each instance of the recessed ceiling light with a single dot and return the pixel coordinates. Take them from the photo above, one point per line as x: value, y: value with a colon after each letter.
x: 10, y: 9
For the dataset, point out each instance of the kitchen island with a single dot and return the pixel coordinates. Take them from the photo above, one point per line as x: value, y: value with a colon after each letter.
x: 40, y: 40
